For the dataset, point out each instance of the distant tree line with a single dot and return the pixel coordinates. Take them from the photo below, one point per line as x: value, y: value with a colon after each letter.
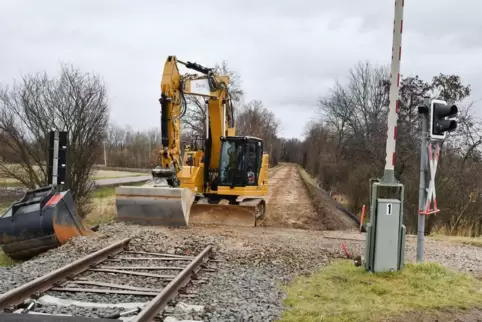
x: 345, y: 146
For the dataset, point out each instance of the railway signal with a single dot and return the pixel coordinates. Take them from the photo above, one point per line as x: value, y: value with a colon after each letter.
x: 437, y: 119
x: 441, y: 119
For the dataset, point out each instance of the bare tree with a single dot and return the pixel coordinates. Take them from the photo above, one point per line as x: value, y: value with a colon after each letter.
x: 357, y: 111
x: 75, y: 102
x: 255, y: 120
x: 346, y: 146
x: 194, y: 122
x: 132, y: 149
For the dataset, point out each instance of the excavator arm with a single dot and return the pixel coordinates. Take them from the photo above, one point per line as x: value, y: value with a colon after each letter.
x: 219, y: 116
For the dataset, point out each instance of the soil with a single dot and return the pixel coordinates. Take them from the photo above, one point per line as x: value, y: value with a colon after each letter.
x: 293, y: 203
x: 288, y: 203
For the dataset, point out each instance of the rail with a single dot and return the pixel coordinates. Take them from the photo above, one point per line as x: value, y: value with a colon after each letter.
x: 44, y: 283
x: 158, y: 304
x: 14, y: 299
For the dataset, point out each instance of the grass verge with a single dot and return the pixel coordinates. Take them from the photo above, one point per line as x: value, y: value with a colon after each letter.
x: 5, y: 261
x: 103, y: 211
x: 103, y: 205
x: 117, y: 177
x: 329, y: 214
x: 343, y: 292
x: 472, y: 241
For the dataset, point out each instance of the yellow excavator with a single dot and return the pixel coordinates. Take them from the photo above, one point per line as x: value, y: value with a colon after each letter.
x: 220, y: 179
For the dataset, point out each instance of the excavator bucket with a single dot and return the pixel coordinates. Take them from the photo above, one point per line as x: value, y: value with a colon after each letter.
x: 43, y: 219
x: 154, y: 206
x: 245, y: 214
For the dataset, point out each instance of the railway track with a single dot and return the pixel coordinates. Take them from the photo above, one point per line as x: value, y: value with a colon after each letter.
x: 135, y: 286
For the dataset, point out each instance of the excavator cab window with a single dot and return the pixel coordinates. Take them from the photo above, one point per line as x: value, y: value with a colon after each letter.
x: 240, y: 161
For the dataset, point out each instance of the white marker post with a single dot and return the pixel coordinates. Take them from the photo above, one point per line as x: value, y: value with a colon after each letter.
x: 389, y: 173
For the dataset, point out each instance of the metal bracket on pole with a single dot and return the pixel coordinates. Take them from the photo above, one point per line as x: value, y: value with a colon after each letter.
x: 433, y: 157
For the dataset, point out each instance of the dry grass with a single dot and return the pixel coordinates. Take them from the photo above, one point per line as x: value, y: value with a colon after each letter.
x: 103, y: 202
x: 5, y: 261
x: 477, y: 241
x: 466, y: 230
x: 109, y: 174
x: 103, y: 211
x: 333, y: 218
x: 343, y: 292
x: 305, y: 176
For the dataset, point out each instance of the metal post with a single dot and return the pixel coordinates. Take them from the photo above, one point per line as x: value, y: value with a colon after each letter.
x: 422, y: 193
x: 105, y: 156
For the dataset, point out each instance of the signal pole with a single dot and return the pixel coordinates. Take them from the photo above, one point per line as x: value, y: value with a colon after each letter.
x: 437, y: 119
x: 423, y: 112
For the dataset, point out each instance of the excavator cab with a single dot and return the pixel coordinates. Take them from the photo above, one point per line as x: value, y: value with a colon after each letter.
x: 240, y: 161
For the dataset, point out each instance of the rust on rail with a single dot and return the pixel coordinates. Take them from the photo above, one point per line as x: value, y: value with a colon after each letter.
x: 157, y: 305
x: 44, y: 283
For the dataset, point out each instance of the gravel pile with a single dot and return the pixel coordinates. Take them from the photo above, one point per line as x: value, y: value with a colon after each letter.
x: 252, y: 262
x: 79, y: 311
x: 244, y: 284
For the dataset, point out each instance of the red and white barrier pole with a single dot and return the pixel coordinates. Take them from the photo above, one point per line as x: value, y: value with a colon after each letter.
x: 389, y: 174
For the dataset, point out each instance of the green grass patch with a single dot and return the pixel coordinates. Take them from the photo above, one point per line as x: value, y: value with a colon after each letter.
x: 3, y: 207
x: 344, y: 292
x: 109, y: 191
x: 103, y: 211
x: 6, y: 261
x: 103, y: 192
x: 103, y: 202
x: 13, y: 184
x: 4, y: 204
x: 117, y: 177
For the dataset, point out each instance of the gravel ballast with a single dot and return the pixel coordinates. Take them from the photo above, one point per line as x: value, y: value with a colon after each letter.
x: 252, y: 262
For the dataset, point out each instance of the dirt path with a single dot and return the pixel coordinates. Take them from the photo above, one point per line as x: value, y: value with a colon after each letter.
x: 288, y: 203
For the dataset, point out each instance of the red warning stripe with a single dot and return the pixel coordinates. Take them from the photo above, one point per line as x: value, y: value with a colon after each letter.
x: 54, y: 200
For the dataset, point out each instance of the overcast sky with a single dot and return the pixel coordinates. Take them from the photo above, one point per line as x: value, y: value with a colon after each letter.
x: 287, y: 52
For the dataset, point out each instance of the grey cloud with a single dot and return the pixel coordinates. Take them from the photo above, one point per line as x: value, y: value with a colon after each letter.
x: 288, y: 53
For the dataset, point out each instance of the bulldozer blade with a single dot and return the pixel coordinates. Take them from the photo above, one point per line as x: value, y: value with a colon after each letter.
x: 42, y: 220
x: 219, y: 214
x: 154, y: 206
